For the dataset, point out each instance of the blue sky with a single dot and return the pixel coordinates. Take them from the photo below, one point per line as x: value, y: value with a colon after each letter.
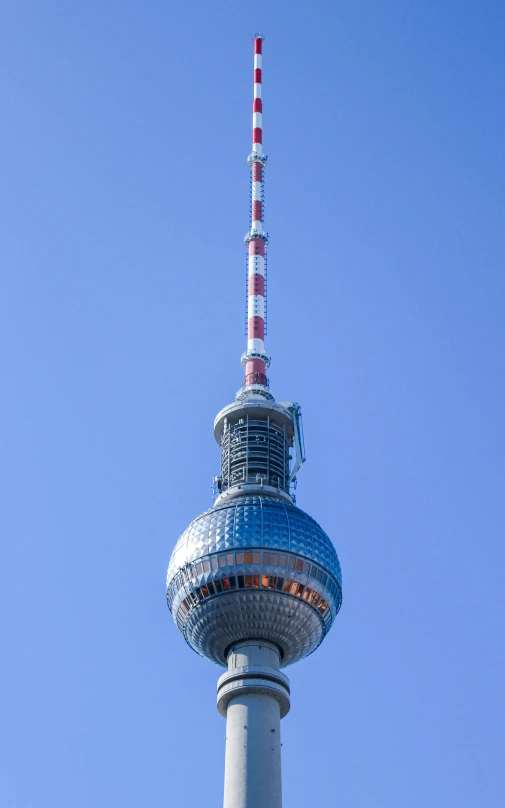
x: 124, y: 204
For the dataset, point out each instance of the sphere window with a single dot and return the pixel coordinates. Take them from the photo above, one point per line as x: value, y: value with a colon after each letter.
x: 188, y: 577
x: 271, y: 582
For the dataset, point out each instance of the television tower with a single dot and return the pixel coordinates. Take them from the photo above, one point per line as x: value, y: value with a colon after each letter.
x: 254, y: 584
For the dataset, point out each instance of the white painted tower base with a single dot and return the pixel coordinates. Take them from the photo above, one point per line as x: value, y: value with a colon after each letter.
x: 253, y: 695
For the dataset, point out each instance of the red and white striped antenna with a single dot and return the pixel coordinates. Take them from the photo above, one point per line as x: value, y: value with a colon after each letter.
x: 255, y: 360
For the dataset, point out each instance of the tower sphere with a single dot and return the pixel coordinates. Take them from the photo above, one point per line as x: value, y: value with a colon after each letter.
x: 257, y: 567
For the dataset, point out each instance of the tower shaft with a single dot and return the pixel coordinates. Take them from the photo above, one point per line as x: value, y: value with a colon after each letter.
x: 253, y: 695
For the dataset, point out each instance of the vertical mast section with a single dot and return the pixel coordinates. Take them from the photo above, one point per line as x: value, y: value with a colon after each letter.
x: 255, y: 360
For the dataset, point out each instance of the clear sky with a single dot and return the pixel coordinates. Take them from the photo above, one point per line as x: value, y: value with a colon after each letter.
x: 126, y: 127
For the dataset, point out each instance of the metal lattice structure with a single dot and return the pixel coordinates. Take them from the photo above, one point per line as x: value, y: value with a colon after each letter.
x: 255, y: 451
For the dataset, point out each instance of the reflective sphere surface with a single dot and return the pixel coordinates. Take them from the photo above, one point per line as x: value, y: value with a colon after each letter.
x: 254, y: 567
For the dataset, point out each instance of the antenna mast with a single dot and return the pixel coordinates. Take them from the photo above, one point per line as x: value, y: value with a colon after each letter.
x: 255, y: 360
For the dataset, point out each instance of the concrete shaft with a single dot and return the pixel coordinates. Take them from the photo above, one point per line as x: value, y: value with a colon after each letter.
x: 253, y: 695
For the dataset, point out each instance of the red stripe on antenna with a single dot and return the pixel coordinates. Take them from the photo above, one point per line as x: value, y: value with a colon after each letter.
x: 257, y: 172
x: 256, y: 284
x: 255, y: 366
x: 257, y: 247
x: 256, y: 211
x: 257, y: 76
x: 256, y: 328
